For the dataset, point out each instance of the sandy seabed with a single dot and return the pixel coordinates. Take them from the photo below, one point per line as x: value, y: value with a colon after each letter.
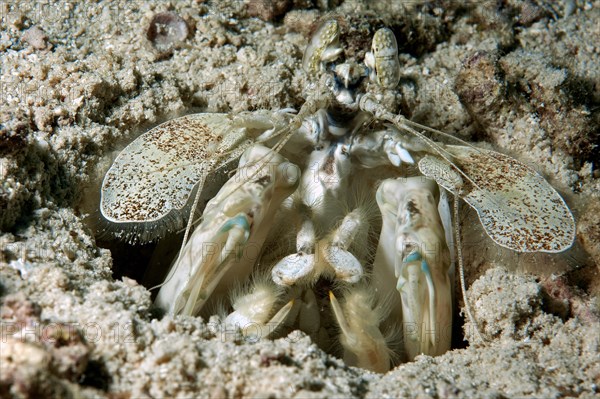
x: 81, y: 80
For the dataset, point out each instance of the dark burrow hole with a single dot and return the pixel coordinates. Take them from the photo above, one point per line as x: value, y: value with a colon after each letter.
x: 96, y: 375
x: 147, y: 263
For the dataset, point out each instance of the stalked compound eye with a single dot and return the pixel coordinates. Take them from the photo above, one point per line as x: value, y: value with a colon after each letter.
x: 383, y: 59
x: 324, y: 47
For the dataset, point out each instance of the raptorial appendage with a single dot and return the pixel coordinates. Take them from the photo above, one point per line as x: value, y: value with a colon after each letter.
x: 412, y: 264
x: 224, y: 247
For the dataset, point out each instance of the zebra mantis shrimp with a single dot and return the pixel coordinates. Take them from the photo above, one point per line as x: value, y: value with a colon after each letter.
x: 298, y: 213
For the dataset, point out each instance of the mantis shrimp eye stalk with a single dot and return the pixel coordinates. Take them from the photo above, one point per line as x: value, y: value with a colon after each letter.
x: 324, y: 47
x: 382, y: 60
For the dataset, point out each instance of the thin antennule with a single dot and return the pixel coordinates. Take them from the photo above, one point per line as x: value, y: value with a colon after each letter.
x: 192, y: 212
x: 461, y: 271
x: 287, y: 132
x: 440, y: 133
x: 441, y: 152
x: 169, y: 276
x: 368, y: 104
x: 450, y: 136
x: 187, y: 232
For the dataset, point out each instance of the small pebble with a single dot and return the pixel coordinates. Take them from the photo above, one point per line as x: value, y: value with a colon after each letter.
x: 37, y: 38
x: 268, y: 10
x: 166, y: 30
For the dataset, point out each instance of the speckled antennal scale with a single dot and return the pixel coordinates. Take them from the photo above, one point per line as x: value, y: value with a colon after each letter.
x: 149, y: 185
x: 518, y: 209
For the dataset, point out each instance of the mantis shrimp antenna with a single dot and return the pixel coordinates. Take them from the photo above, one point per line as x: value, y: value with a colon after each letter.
x: 461, y: 271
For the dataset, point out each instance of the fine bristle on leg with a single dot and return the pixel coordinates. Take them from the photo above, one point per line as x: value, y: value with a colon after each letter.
x: 364, y: 344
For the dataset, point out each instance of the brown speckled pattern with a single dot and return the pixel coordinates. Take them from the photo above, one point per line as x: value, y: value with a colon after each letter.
x: 516, y: 206
x: 157, y: 172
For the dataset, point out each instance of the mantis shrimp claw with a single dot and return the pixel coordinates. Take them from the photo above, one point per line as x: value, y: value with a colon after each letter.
x: 416, y: 256
x: 234, y: 224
